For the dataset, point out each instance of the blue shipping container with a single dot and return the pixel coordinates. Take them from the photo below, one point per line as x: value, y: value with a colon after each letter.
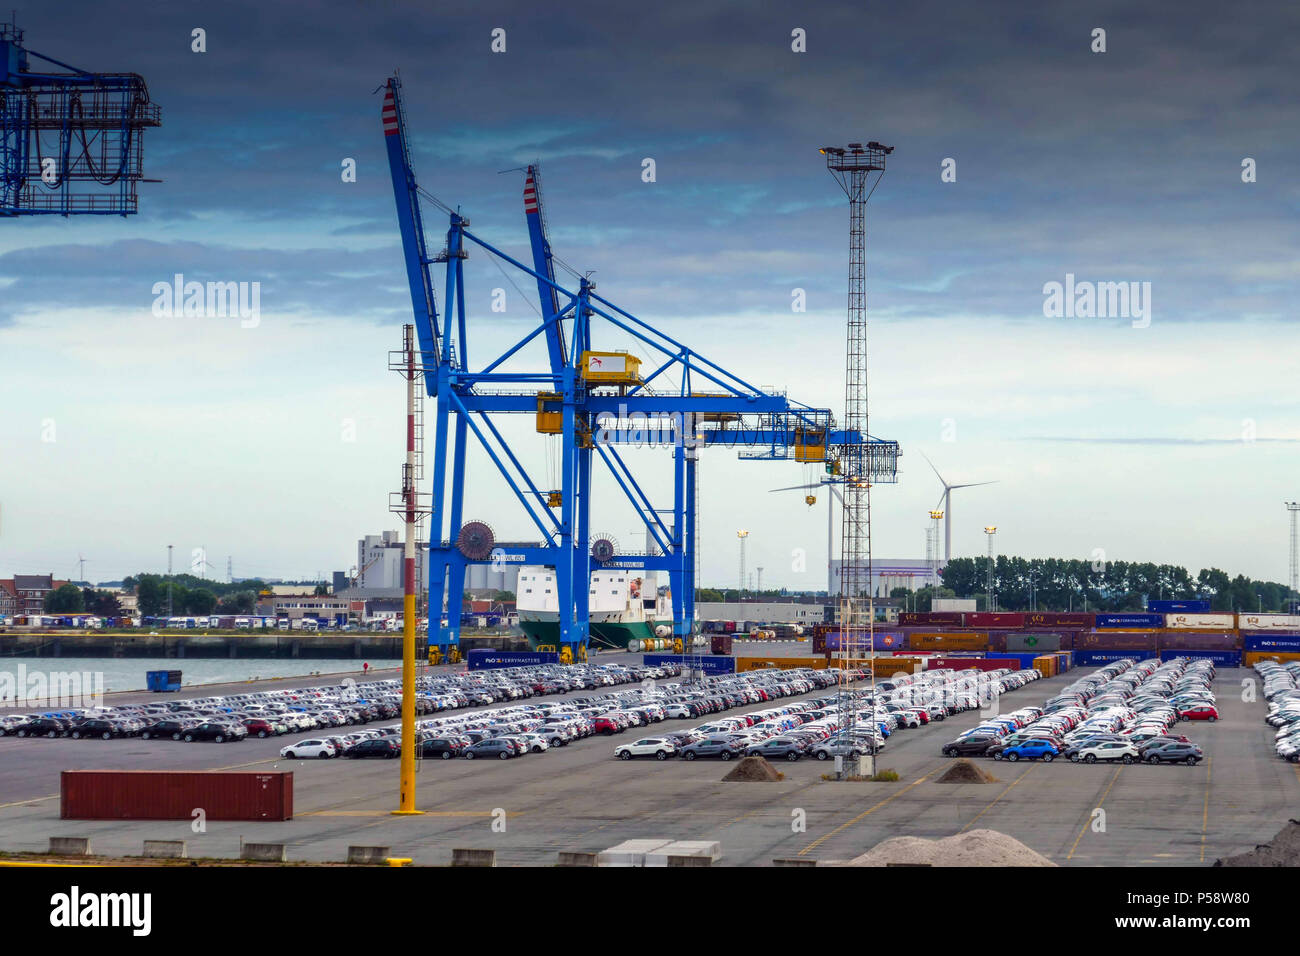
x: 1100, y: 658
x: 1221, y: 658
x: 1179, y: 607
x: 1130, y: 620
x: 1264, y: 641
x: 163, y: 681
x: 712, y: 664
x: 484, y: 658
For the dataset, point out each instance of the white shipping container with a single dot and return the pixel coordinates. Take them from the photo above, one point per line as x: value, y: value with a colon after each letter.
x: 1269, y: 622
x: 1200, y: 622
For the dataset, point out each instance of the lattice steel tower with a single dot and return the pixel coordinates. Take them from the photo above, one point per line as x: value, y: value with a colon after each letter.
x: 1294, y: 508
x: 858, y: 169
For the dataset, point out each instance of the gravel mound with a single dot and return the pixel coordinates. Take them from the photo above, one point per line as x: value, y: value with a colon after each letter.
x: 976, y: 848
x: 1282, y: 850
x: 753, y: 769
x: 964, y: 771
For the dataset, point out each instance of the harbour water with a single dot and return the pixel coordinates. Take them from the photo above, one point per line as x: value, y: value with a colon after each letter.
x: 129, y: 673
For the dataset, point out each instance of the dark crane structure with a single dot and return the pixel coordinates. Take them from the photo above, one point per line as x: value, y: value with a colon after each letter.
x: 70, y: 142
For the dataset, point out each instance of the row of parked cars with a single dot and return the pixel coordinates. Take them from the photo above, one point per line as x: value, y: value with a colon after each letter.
x: 1123, y: 712
x: 323, y: 708
x: 832, y: 725
x: 1282, y: 691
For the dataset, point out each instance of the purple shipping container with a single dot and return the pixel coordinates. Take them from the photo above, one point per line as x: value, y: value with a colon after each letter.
x: 1175, y: 640
x: 174, y: 794
x: 1117, y: 641
x: 879, y: 641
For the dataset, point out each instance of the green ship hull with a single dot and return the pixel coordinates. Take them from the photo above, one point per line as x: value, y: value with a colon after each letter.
x: 607, y: 634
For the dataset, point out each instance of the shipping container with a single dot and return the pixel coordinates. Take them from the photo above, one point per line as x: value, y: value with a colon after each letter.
x: 1117, y: 641
x: 1026, y: 660
x: 1130, y: 620
x: 1095, y: 658
x: 1060, y: 619
x: 720, y: 643
x: 1268, y: 622
x: 883, y: 666
x: 1003, y: 619
x: 1045, y: 665
x: 486, y: 658
x: 1176, y: 640
x: 1033, y: 642
x: 878, y: 641
x: 1251, y: 658
x: 1201, y: 622
x: 998, y: 641
x: 1064, y: 661
x: 1187, y: 606
x: 1270, y: 642
x: 1221, y: 658
x: 708, y: 663
x: 967, y: 663
x: 819, y: 642
x: 743, y: 664
x: 939, y: 642
x: 930, y: 617
x: 173, y: 795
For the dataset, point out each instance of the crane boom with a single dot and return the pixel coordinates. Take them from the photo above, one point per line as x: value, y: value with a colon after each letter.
x: 543, y: 265
x: 410, y: 223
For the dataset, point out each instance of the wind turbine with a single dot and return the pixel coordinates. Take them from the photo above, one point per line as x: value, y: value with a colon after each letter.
x: 945, y: 503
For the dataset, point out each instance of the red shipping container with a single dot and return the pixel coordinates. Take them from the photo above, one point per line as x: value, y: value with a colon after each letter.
x: 979, y: 663
x: 929, y: 617
x: 1179, y: 640
x: 175, y: 795
x: 720, y: 643
x: 994, y: 619
x: 1110, y: 640
x: 1060, y: 618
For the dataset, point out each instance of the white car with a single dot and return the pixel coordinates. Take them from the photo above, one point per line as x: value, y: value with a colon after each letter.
x: 1107, y: 750
x: 321, y: 749
x: 655, y: 747
x: 536, y: 742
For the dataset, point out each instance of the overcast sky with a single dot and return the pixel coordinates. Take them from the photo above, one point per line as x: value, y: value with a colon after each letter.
x: 1174, y: 441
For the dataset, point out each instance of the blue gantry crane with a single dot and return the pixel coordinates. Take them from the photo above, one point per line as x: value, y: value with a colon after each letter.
x: 597, y: 400
x: 70, y: 143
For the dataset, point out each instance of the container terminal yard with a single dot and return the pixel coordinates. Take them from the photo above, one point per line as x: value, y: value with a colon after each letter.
x: 583, y: 342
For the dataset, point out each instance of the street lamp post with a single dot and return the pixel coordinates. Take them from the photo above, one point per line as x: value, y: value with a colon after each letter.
x: 742, y: 534
x: 990, y: 530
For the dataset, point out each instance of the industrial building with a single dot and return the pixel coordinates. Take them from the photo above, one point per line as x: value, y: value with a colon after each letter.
x: 889, y: 573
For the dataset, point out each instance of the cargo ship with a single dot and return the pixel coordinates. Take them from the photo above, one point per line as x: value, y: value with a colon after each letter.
x: 625, y: 606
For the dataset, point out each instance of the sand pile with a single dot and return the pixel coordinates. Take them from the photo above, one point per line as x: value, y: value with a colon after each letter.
x: 753, y: 768
x: 1282, y: 850
x: 976, y: 848
x: 964, y: 771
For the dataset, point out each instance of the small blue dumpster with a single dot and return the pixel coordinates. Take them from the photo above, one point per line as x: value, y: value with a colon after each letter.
x: 163, y: 681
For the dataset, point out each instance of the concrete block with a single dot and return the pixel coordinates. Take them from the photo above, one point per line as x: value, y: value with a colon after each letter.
x: 369, y: 854
x: 70, y: 846
x: 688, y: 860
x: 165, y: 849
x: 629, y: 852
x: 569, y: 858
x: 794, y: 861
x: 263, y: 852
x: 469, y: 857
x: 710, y: 850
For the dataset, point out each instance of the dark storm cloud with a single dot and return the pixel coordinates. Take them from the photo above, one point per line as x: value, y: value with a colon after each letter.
x: 1123, y: 166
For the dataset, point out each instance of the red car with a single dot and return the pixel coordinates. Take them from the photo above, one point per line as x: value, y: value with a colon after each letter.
x: 1198, y: 712
x: 257, y: 727
x: 606, y: 725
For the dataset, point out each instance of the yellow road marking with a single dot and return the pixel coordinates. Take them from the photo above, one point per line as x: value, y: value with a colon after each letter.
x: 844, y: 826
x: 996, y: 799
x: 1088, y: 822
x: 385, y: 813
x: 1205, y: 814
x: 19, y: 803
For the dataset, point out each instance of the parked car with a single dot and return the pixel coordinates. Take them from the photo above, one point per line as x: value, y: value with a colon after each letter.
x: 214, y: 731
x: 381, y: 747
x: 1198, y: 711
x: 1107, y: 750
x: 656, y: 747
x: 497, y: 747
x: 97, y: 727
x: 321, y: 749
x: 724, y: 748
x: 777, y: 748
x: 442, y: 747
x: 973, y: 745
x: 1029, y: 750
x: 1172, y: 751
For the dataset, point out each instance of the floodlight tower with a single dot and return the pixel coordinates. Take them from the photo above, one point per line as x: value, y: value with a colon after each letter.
x: 935, y: 516
x: 742, y: 534
x: 990, y: 530
x: 854, y: 167
x: 1294, y: 508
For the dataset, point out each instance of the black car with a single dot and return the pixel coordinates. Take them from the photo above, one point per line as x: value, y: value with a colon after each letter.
x: 383, y: 747
x: 215, y: 731
x: 497, y: 747
x: 97, y: 727
x: 41, y: 727
x: 444, y: 747
x: 166, y: 728
x: 1171, y: 751
x: 975, y: 745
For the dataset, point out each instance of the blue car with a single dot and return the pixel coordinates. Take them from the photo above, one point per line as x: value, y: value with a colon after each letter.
x: 1029, y: 750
